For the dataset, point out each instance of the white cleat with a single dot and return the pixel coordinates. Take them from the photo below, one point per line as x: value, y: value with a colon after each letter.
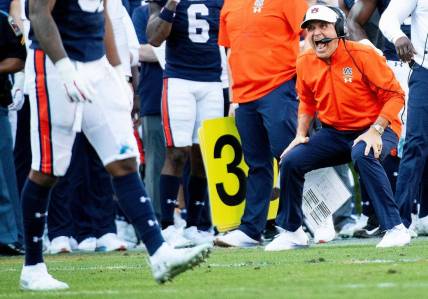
x: 395, y: 237
x: 325, y: 232
x: 88, y: 245
x: 348, y: 230
x: 60, y: 245
x: 167, y: 262
x: 422, y: 226
x: 110, y: 242
x: 126, y: 232
x: 73, y: 244
x: 37, y: 278
x: 236, y: 238
x: 174, y: 237
x: 198, y: 237
x: 289, y: 240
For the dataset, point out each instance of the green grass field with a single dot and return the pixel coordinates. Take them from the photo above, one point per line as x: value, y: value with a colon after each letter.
x: 343, y: 269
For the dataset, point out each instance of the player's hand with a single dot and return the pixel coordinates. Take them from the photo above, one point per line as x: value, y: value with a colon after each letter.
x: 296, y: 141
x: 405, y: 49
x: 77, y: 89
x: 124, y: 85
x: 17, y: 92
x: 369, y: 43
x: 373, y: 141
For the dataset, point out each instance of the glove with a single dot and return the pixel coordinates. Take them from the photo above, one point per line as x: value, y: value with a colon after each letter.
x: 77, y: 89
x: 18, y: 92
x: 124, y: 85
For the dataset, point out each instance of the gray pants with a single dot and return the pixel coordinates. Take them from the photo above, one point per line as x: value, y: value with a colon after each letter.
x: 10, y: 210
x: 154, y: 148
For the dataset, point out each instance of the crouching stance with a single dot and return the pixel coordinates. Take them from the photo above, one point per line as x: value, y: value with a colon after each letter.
x: 357, y: 99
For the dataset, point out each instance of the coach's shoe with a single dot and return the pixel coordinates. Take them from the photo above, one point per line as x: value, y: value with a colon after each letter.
x: 325, y: 232
x: 167, y: 262
x: 289, y: 240
x: 174, y: 237
x: 198, y: 237
x: 236, y: 238
x: 88, y: 245
x: 37, y: 278
x: 60, y: 245
x: 73, y: 244
x: 395, y: 237
x: 110, y: 242
x: 126, y: 232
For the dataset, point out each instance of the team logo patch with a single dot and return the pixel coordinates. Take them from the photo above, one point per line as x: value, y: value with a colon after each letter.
x: 258, y: 5
x: 347, y: 74
x: 315, y: 10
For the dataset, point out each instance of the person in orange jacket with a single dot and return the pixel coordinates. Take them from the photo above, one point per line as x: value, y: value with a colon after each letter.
x: 355, y: 95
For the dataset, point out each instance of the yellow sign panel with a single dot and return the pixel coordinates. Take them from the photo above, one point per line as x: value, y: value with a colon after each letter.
x: 226, y: 172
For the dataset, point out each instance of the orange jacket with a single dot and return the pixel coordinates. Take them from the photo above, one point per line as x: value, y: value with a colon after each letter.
x: 343, y: 97
x: 264, y: 43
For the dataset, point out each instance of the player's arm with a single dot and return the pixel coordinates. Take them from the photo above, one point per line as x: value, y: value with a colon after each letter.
x: 160, y: 21
x: 358, y: 16
x: 45, y: 28
x: 109, y: 42
x: 49, y: 39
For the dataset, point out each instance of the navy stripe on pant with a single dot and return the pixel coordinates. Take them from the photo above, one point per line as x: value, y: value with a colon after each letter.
x: 415, y: 151
x: 330, y: 147
x: 266, y: 127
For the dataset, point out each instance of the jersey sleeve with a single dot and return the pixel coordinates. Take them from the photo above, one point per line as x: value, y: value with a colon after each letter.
x: 382, y: 81
x: 223, y: 37
x: 307, y: 104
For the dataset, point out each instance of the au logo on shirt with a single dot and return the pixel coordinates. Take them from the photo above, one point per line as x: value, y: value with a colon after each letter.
x: 347, y: 74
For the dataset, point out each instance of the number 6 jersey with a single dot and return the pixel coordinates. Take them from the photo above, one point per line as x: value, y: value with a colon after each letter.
x: 192, y: 52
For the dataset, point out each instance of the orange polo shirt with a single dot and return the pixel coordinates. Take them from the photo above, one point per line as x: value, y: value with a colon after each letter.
x: 264, y: 40
x: 342, y: 96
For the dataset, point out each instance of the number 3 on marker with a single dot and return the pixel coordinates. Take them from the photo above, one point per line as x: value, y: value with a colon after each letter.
x: 232, y: 168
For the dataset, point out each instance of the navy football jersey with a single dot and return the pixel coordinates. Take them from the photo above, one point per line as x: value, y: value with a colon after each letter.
x: 192, y: 51
x: 81, y: 26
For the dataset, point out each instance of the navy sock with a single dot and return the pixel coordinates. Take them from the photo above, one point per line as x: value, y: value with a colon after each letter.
x: 197, y: 197
x: 169, y: 186
x: 35, y: 200
x: 138, y: 208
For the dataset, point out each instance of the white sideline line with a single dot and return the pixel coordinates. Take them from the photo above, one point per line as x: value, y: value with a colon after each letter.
x: 79, y: 268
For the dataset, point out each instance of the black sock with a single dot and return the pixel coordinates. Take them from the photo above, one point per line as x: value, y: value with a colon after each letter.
x: 35, y: 200
x: 138, y: 208
x: 196, y: 203
x: 169, y: 186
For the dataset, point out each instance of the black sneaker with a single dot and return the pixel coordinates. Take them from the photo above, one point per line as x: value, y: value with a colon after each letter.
x: 11, y: 249
x: 269, y: 232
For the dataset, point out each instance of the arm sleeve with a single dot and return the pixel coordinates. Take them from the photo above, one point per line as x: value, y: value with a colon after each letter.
x: 394, y: 16
x: 223, y: 38
x: 382, y: 81
x: 307, y: 104
x: 132, y: 38
x: 294, y: 11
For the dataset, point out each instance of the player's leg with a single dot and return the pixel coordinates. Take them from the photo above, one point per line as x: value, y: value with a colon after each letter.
x: 51, y: 142
x: 209, y: 105
x: 107, y: 124
x: 178, y: 119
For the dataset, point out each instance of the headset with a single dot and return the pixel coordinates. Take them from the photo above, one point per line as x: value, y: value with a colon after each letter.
x: 340, y: 26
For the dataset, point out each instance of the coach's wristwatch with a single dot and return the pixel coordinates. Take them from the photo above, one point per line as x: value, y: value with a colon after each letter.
x: 378, y: 128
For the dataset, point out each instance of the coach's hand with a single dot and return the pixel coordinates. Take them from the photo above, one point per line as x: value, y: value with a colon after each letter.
x: 373, y: 141
x: 296, y: 141
x: 77, y: 89
x: 405, y: 49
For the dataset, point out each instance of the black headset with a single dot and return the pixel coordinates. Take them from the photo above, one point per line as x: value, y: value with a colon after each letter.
x: 340, y: 26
